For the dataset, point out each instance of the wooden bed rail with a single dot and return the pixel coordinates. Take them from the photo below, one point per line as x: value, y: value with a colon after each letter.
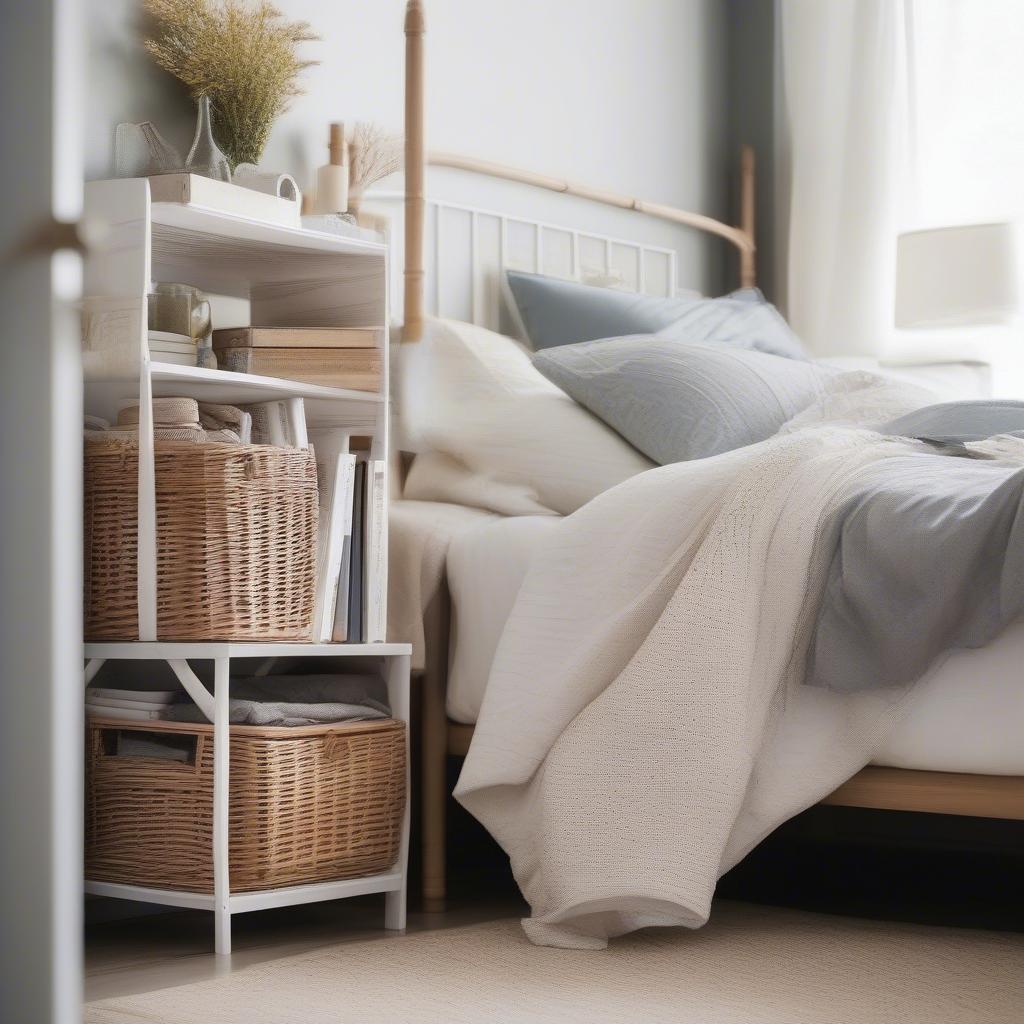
x: 740, y: 237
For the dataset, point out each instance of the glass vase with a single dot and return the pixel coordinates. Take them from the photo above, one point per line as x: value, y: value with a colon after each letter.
x: 205, y: 157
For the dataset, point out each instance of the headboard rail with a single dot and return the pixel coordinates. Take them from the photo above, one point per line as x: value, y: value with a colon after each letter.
x: 469, y: 248
x: 416, y: 159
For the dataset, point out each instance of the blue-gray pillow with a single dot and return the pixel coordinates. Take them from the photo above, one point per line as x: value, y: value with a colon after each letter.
x: 556, y: 312
x: 743, y: 319
x: 677, y: 402
x: 957, y: 422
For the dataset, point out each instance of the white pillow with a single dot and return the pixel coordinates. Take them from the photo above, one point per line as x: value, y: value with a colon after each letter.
x: 503, y: 436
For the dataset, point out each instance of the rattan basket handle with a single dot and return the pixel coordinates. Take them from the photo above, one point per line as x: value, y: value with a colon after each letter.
x: 191, y: 766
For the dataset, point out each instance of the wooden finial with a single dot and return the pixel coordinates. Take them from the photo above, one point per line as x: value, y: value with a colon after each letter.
x: 415, y: 23
x: 336, y: 144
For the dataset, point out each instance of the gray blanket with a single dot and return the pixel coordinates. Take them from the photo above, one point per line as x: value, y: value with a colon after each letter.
x: 930, y: 553
x: 297, y: 700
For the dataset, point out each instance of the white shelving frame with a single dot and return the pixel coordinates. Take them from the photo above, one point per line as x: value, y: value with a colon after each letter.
x: 291, y: 278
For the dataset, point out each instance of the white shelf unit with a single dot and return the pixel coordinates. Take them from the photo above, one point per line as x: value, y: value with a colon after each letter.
x: 291, y: 278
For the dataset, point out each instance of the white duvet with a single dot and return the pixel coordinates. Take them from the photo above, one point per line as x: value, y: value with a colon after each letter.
x: 644, y: 725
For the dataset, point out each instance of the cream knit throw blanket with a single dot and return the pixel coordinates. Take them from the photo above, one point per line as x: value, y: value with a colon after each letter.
x: 644, y: 725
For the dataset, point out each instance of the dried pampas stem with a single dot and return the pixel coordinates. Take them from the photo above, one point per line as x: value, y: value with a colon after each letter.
x: 373, y: 154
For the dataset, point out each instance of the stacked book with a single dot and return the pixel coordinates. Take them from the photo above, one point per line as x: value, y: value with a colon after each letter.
x: 351, y: 593
x: 337, y: 357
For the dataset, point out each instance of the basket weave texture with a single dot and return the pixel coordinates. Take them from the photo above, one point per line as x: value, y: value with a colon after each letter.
x: 236, y: 541
x: 309, y: 804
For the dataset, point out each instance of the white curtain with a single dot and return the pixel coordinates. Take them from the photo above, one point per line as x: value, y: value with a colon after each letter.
x: 844, y: 73
x: 896, y: 115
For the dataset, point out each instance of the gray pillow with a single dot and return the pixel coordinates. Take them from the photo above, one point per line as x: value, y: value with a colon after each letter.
x: 556, y: 312
x: 679, y: 402
x: 742, y: 319
x: 957, y: 422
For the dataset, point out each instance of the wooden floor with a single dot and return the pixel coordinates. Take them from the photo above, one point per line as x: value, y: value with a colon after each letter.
x: 141, y: 954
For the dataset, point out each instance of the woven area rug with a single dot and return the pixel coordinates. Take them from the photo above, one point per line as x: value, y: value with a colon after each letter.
x: 750, y: 965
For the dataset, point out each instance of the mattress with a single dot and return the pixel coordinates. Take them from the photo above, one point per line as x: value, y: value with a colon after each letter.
x: 966, y: 715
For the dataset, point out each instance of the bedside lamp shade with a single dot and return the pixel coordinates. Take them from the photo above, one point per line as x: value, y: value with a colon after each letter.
x: 957, y: 276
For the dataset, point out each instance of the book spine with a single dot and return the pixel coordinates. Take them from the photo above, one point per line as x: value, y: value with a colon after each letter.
x: 339, y: 632
x: 355, y: 593
x: 377, y: 566
x: 335, y: 544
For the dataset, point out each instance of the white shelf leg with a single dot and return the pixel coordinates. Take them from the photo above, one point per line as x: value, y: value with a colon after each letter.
x: 146, y: 546
x: 398, y: 698
x: 221, y: 766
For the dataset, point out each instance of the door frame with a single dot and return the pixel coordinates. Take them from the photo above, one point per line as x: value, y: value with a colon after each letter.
x: 41, y: 171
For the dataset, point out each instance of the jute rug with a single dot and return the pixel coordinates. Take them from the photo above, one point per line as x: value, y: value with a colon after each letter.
x: 750, y: 965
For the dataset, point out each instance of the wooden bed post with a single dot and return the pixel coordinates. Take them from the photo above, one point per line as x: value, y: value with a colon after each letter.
x: 748, y: 273
x: 415, y: 26
x: 433, y: 729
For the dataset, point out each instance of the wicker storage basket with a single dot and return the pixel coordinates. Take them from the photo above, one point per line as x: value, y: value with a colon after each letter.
x: 308, y: 804
x: 236, y: 541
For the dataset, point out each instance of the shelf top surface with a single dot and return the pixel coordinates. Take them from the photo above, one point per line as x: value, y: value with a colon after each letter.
x: 217, y: 224
x: 137, y: 650
x: 324, y: 405
x: 242, y: 383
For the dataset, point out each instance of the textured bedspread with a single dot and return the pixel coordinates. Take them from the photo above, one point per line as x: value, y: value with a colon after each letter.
x: 645, y: 724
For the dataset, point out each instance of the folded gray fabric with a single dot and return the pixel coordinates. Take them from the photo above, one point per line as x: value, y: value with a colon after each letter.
x: 297, y: 700
x: 154, y: 745
x: 958, y: 422
x: 930, y: 556
x: 255, y: 712
x: 324, y: 688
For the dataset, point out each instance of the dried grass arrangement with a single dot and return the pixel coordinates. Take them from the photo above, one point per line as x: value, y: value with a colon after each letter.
x: 373, y: 154
x: 243, y: 55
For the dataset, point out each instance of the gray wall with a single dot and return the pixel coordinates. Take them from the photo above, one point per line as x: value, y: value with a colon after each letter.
x: 631, y: 94
x: 752, y: 116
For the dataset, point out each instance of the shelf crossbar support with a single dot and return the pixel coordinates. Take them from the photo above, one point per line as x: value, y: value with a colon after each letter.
x: 92, y: 666
x: 193, y: 686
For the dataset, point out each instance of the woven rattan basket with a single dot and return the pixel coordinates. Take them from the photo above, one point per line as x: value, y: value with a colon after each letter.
x: 308, y: 804
x: 236, y: 541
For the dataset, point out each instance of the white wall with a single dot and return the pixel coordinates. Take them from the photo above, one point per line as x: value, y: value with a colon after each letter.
x: 630, y: 94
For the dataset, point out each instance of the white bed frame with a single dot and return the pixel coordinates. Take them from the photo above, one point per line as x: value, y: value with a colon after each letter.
x: 495, y: 241
x: 471, y: 247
